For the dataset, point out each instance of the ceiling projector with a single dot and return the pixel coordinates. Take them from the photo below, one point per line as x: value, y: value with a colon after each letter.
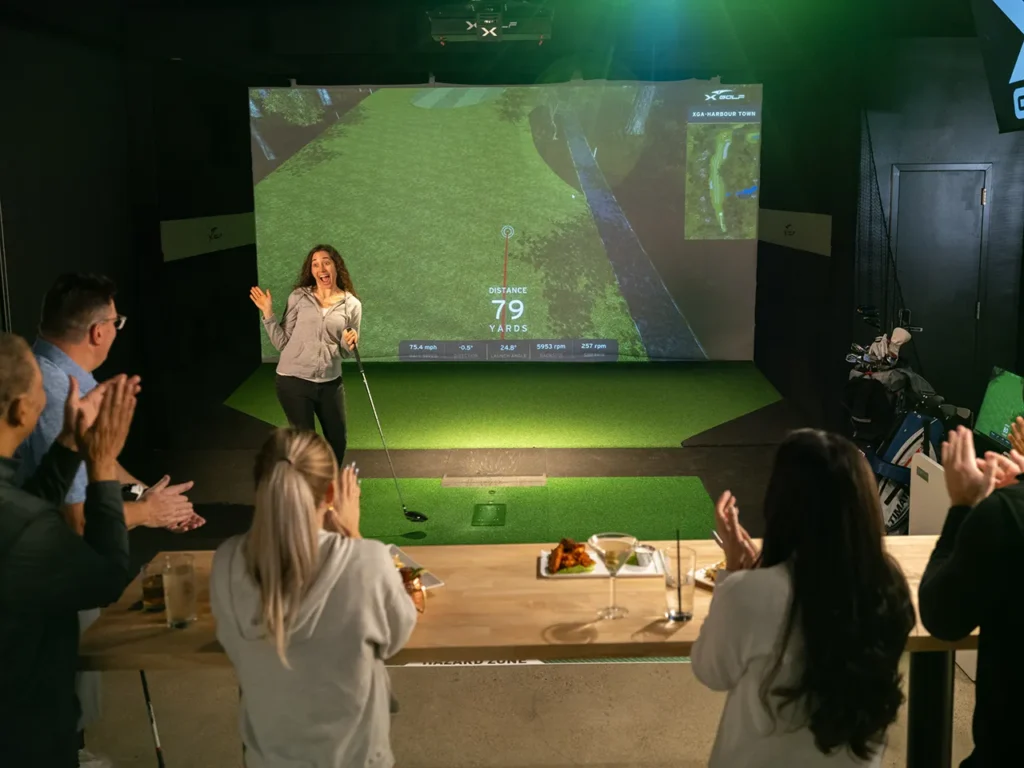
x: 490, y: 22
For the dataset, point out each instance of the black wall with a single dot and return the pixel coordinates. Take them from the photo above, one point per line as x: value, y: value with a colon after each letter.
x: 208, y: 328
x: 928, y: 102
x: 72, y: 183
x: 809, y: 163
x: 96, y: 148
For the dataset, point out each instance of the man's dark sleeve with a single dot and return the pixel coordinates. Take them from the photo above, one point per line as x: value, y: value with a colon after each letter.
x: 56, y: 472
x: 52, y: 568
x: 951, y: 597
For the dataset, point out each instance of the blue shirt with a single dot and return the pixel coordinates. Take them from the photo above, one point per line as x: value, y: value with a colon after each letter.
x: 57, y: 370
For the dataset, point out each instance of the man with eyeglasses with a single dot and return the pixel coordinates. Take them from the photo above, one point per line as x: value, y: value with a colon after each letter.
x: 78, y: 326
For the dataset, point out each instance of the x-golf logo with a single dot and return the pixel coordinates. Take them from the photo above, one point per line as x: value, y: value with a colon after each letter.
x: 1014, y: 11
x: 727, y: 94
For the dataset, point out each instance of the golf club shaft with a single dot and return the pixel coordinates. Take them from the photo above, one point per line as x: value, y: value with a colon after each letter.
x: 369, y: 395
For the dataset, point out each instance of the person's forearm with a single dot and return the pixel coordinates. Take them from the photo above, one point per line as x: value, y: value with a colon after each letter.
x: 278, y: 335
x: 74, y: 516
x: 136, y: 513
x: 127, y: 478
x: 947, y: 610
x: 56, y: 472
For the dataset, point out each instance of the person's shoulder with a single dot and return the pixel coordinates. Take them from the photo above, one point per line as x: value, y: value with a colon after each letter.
x: 757, y: 588
x: 23, y: 516
x: 372, y: 553
x: 1003, y: 509
x: 371, y: 558
x: 55, y: 379
x: 225, y: 553
x: 353, y: 301
x: 296, y: 294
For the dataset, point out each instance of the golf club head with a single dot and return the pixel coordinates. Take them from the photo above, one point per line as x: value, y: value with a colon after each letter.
x: 415, y: 517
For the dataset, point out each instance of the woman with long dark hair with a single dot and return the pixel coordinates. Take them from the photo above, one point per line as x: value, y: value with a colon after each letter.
x: 807, y: 636
x: 320, y: 327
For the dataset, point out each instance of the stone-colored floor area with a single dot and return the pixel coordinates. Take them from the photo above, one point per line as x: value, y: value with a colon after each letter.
x: 550, y: 716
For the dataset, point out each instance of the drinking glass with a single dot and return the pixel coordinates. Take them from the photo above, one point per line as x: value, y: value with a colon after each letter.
x: 180, y: 590
x: 614, y: 549
x: 152, y: 587
x: 680, y: 582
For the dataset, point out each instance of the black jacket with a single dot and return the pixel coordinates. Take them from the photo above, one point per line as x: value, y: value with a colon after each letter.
x: 975, y: 578
x: 48, y: 574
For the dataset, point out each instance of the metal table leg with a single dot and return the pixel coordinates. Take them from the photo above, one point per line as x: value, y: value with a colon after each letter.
x: 930, y: 710
x: 152, y: 719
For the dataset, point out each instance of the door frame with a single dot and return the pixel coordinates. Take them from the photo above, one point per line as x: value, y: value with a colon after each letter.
x: 894, y: 206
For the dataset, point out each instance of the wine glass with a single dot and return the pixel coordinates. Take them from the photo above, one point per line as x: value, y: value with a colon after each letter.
x: 614, y: 549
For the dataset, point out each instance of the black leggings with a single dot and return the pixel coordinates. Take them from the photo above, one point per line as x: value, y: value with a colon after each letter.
x: 302, y: 399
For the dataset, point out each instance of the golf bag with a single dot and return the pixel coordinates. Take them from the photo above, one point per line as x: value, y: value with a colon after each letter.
x: 895, y: 413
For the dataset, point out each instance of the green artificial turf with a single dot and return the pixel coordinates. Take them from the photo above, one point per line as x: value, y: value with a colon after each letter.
x: 650, y: 508
x: 518, y: 405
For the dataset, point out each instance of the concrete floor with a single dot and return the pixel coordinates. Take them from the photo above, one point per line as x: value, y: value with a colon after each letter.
x: 552, y: 716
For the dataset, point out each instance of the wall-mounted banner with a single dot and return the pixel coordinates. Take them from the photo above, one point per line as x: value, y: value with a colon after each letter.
x: 1000, y: 26
x: 182, y: 238
x: 810, y: 232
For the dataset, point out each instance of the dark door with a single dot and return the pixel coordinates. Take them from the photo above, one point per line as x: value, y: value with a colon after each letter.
x: 938, y: 234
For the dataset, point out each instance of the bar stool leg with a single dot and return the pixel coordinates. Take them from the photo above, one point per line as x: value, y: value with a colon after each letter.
x: 152, y: 720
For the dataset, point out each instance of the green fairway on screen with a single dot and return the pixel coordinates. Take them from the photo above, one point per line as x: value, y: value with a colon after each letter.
x: 597, y: 221
x: 1003, y: 403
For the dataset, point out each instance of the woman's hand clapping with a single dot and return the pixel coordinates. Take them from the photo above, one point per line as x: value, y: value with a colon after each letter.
x: 343, y: 516
x: 739, y: 549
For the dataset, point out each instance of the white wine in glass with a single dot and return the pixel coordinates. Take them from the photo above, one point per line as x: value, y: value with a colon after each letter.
x: 614, y: 549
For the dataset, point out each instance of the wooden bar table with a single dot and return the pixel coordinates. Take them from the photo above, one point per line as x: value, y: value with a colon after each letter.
x: 495, y: 607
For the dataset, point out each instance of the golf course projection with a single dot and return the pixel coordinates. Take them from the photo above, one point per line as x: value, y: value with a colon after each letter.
x: 722, y: 171
x: 533, y: 223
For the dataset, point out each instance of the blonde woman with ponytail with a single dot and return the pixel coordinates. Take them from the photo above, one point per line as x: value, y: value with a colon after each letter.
x: 308, y: 611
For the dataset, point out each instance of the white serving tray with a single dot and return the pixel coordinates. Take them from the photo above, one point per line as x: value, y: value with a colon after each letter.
x: 650, y: 560
x: 427, y: 579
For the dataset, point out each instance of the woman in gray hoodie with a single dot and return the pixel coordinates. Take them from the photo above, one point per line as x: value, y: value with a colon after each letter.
x: 308, y: 611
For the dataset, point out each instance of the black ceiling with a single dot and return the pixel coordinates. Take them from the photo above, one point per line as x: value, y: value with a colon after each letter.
x: 320, y: 41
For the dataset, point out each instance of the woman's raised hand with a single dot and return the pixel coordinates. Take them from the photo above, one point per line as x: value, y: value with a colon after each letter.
x: 344, y: 514
x: 263, y: 300
x: 740, y: 552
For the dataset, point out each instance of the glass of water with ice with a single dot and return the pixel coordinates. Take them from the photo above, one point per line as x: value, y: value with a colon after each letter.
x: 680, y: 582
x: 180, y: 590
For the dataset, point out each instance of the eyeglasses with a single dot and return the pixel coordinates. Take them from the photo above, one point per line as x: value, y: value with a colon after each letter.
x: 118, y: 321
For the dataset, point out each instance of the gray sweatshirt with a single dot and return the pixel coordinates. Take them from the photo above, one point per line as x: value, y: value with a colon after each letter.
x: 332, y: 708
x: 309, y: 337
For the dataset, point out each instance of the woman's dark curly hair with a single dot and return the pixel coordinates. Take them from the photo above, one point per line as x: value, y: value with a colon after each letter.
x: 851, y: 602
x: 344, y: 279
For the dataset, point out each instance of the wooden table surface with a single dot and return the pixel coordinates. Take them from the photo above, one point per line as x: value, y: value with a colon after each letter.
x: 493, y: 607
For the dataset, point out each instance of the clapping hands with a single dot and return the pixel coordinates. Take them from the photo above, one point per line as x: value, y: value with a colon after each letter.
x: 167, y: 506
x: 343, y: 515
x: 969, y: 479
x: 740, y: 552
x: 80, y: 412
x: 1017, y: 435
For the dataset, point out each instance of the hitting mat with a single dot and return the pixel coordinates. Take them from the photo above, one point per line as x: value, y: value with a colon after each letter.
x: 650, y: 508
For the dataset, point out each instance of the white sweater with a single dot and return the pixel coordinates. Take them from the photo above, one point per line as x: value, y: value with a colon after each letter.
x: 736, y: 648
x: 332, y: 708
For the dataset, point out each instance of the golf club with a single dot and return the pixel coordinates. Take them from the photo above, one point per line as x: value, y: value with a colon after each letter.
x: 416, y: 517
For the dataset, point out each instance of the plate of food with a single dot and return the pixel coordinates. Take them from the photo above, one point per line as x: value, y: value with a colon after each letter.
x: 408, y: 566
x: 705, y: 577
x: 574, y: 559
